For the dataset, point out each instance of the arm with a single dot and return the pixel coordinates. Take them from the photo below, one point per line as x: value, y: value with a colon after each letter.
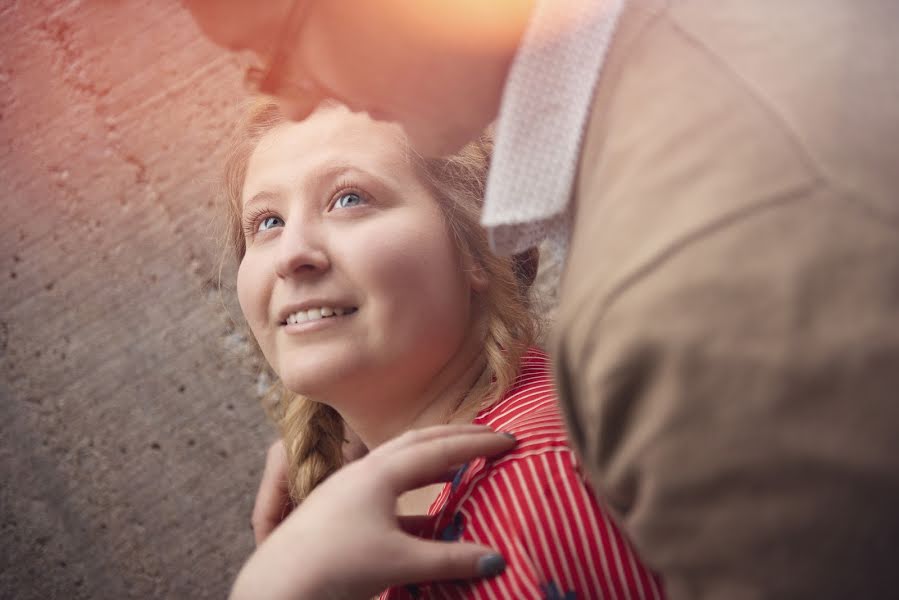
x: 736, y: 405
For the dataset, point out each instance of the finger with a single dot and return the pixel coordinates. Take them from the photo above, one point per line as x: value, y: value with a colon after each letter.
x: 272, y: 503
x: 427, y: 560
x: 353, y: 448
x: 416, y: 436
x: 425, y: 462
x: 416, y: 524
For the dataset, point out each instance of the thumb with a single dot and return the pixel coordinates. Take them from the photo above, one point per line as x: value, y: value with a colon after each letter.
x: 427, y: 560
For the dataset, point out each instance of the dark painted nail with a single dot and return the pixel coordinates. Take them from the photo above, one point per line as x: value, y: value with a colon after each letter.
x: 490, y: 565
x: 508, y: 435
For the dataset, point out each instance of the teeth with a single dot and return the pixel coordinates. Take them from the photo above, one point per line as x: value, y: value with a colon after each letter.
x: 315, y: 314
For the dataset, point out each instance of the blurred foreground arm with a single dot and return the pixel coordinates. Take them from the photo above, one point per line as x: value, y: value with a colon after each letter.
x: 739, y: 412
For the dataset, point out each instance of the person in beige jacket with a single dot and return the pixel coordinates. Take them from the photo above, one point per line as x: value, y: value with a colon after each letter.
x: 722, y: 177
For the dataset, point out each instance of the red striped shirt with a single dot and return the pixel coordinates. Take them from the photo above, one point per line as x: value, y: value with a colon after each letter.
x: 534, y: 506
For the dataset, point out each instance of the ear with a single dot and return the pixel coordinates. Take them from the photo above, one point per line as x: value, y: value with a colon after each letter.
x: 477, y: 276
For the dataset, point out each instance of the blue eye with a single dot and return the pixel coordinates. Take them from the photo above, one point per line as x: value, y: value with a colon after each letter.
x: 348, y: 200
x: 269, y: 222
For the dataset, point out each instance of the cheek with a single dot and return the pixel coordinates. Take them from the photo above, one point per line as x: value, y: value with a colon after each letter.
x: 251, y: 293
x: 427, y: 290
x: 345, y: 50
x: 435, y: 137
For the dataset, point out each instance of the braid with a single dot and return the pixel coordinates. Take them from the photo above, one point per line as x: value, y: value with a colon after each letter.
x: 313, y: 436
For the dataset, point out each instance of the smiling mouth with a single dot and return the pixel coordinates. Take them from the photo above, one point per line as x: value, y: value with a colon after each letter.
x: 317, y: 314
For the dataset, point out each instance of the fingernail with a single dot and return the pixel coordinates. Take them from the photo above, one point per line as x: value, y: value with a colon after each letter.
x: 508, y: 435
x: 490, y: 565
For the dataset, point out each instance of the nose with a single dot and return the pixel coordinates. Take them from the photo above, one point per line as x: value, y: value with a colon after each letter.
x: 301, y: 251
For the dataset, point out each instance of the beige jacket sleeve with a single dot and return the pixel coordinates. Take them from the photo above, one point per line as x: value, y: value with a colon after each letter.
x: 727, y: 347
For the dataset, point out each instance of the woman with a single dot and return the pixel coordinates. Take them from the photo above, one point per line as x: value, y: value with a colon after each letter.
x: 370, y: 289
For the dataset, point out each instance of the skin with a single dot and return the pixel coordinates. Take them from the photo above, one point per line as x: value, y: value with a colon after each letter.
x: 357, y: 503
x: 436, y: 68
x: 336, y: 216
x: 272, y: 504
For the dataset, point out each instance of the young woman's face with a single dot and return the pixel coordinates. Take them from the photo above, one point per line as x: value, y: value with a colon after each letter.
x: 350, y: 278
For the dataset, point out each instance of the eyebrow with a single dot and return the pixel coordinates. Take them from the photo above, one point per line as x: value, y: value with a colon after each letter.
x: 327, y: 171
x: 259, y: 197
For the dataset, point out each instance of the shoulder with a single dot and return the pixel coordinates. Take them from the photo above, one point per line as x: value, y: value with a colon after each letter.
x: 529, y: 410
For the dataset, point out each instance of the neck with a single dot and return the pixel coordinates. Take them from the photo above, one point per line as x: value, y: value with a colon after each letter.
x: 438, y: 402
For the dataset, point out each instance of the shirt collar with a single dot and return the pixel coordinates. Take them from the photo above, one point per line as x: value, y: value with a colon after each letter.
x: 543, y: 114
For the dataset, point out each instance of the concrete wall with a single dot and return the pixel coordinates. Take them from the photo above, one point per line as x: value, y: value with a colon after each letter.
x: 131, y: 433
x: 131, y: 436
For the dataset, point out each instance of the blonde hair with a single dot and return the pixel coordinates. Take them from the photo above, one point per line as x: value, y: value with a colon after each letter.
x: 313, y: 432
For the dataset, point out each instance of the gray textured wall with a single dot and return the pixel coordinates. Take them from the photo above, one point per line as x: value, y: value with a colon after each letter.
x: 131, y: 435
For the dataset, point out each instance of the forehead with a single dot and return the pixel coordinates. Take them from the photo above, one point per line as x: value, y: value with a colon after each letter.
x: 334, y: 137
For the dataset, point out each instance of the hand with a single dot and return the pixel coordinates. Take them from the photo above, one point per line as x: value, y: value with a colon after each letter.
x: 346, y: 541
x: 272, y: 500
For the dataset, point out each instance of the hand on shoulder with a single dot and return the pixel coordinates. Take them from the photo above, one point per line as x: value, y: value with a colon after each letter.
x: 346, y: 542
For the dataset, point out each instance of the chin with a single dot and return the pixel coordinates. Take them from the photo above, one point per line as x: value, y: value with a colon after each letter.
x: 321, y: 380
x: 437, y: 143
x: 312, y: 385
